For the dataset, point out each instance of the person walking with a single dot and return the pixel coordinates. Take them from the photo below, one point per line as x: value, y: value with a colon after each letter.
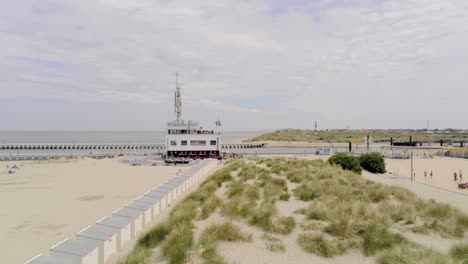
x: 425, y: 175
x: 455, y: 178
x: 430, y: 175
x: 460, y: 175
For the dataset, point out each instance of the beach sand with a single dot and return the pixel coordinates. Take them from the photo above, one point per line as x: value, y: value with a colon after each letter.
x: 47, y: 202
x: 442, y: 168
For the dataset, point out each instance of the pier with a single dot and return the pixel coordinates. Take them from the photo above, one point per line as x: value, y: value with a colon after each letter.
x: 10, y: 152
x: 143, y: 146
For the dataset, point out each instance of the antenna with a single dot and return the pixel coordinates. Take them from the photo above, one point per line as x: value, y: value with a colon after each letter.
x: 178, y: 100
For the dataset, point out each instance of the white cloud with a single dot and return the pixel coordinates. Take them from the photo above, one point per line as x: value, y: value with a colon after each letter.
x: 365, y: 63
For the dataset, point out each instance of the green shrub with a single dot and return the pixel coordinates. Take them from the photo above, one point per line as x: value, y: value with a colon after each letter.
x: 460, y: 252
x: 346, y: 161
x: 372, y: 162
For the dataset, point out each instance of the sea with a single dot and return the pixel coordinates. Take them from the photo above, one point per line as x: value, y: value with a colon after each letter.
x: 106, y: 137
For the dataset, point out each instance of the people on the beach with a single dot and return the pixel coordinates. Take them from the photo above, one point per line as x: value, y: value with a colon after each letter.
x: 460, y: 175
x: 455, y: 178
x: 430, y: 174
x: 425, y: 174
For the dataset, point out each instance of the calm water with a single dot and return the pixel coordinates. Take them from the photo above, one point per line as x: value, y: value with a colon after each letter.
x: 82, y: 137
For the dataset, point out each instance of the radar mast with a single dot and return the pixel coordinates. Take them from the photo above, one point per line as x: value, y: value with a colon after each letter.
x: 178, y: 101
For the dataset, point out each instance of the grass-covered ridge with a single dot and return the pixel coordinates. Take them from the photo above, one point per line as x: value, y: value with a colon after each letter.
x: 343, y: 212
x: 296, y: 135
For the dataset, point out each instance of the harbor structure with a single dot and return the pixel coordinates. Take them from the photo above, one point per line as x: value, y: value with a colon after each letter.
x: 188, y: 140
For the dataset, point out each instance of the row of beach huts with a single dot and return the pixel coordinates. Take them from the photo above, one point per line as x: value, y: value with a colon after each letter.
x: 99, y: 242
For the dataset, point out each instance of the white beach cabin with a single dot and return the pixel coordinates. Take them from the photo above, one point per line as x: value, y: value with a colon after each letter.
x: 164, y: 193
x: 80, y: 251
x: 147, y: 211
x: 153, y: 201
x: 135, y: 215
x: 106, y: 235
x: 124, y: 226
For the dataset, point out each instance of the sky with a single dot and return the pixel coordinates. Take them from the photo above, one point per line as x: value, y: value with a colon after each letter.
x: 253, y: 64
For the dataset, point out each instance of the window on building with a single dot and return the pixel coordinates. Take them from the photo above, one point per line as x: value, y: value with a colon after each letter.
x: 198, y: 142
x: 183, y: 142
x: 213, y: 142
x: 173, y: 143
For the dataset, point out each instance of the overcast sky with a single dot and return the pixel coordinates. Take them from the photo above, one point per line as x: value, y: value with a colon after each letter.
x: 254, y: 64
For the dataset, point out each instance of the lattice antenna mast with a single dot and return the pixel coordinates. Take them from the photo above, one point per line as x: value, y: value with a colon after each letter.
x: 178, y: 100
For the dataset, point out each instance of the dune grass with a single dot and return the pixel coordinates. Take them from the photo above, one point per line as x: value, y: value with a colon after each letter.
x: 274, y: 244
x: 252, y: 192
x: 283, y: 225
x: 345, y: 211
x: 320, y: 246
x: 284, y: 196
x: 408, y: 254
x: 359, y: 213
x: 139, y: 254
x: 226, y: 231
x: 460, y: 252
x: 219, y: 232
x: 376, y: 238
x: 235, y: 188
x: 209, y: 206
x: 178, y: 243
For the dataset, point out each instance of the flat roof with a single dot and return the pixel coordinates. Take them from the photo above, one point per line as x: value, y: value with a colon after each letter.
x: 163, y: 190
x: 148, y: 199
x: 128, y: 212
x: 78, y: 246
x: 156, y: 194
x: 177, y: 180
x: 139, y: 205
x: 50, y: 260
x: 115, y: 221
x: 168, y: 185
x: 100, y: 232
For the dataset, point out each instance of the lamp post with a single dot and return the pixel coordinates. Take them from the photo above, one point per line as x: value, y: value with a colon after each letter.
x: 412, y: 169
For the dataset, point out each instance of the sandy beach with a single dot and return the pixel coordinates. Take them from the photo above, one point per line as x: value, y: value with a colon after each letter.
x: 442, y: 169
x: 47, y: 202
